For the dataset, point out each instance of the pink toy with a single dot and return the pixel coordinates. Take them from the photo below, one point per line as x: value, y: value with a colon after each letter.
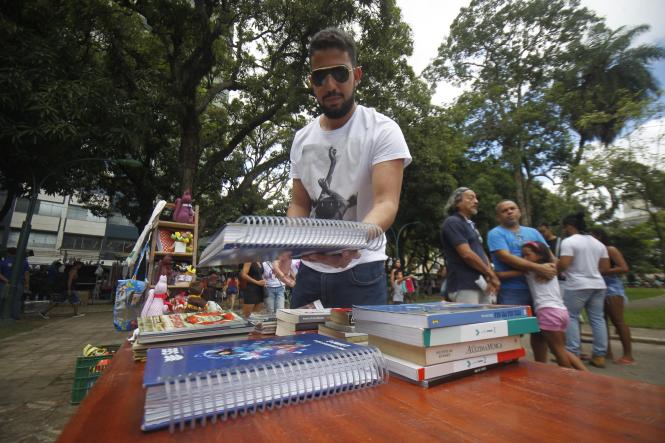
x: 183, y: 212
x: 155, y: 305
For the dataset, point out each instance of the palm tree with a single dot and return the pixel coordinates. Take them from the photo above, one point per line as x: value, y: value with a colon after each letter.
x: 608, y: 84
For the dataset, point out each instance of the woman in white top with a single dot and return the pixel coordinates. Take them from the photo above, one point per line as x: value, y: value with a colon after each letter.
x: 583, y: 259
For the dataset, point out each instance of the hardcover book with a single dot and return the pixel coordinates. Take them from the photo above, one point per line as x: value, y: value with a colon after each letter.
x: 438, y: 314
x: 452, y: 334
x: 193, y: 384
x: 342, y: 316
x: 444, y: 353
x: 454, y: 376
x: 255, y: 238
x: 171, y: 327
x: 418, y: 372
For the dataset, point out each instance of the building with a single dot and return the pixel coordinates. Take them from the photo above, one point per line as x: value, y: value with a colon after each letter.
x: 62, y: 229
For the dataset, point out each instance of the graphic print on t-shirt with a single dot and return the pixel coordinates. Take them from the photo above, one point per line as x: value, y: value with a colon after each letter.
x: 331, y: 202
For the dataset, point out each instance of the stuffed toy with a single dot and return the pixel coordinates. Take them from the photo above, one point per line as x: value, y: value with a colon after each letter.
x: 155, y: 305
x: 195, y: 302
x: 183, y: 212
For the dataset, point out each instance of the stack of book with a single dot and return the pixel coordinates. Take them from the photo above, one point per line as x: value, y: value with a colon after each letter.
x: 163, y: 331
x: 342, y: 326
x: 430, y: 343
x: 197, y: 384
x: 264, y: 324
x: 300, y: 321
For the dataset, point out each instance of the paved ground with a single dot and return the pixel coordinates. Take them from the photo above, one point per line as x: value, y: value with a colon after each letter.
x: 38, y: 370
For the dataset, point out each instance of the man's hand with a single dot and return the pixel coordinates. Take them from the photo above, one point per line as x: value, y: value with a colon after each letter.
x: 493, y: 284
x: 546, y: 271
x: 340, y: 260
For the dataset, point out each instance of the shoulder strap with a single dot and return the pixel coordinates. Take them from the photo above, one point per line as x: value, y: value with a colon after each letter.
x: 144, y: 252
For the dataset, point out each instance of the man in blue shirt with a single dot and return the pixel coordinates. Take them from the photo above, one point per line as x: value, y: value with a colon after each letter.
x: 505, y: 244
x: 462, y: 247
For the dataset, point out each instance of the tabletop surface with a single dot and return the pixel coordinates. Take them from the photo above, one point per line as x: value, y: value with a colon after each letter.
x: 525, y: 401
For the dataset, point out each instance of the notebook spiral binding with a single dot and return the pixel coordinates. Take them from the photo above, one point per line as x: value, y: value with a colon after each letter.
x: 229, y: 393
x: 271, y: 231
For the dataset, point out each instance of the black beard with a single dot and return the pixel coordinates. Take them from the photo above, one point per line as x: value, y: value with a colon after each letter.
x: 341, y: 111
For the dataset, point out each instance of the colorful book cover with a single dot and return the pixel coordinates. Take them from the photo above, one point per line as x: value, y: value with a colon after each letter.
x: 427, y: 337
x: 183, y: 361
x: 438, y: 314
x: 164, y: 241
x: 175, y: 323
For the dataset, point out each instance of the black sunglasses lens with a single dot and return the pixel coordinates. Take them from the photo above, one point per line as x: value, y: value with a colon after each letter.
x: 339, y: 73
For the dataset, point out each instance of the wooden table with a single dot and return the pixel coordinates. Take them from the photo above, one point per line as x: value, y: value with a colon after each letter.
x: 526, y: 401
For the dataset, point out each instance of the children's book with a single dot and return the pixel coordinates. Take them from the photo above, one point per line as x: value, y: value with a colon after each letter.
x: 190, y: 325
x: 257, y: 238
x: 453, y: 334
x: 438, y: 314
x: 444, y: 353
x: 417, y: 372
x: 197, y: 383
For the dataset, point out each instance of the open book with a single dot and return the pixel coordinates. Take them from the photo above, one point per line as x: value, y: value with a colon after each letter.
x: 255, y: 238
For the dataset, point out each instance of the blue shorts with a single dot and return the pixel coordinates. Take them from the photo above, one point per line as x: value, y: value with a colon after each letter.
x: 364, y: 284
x: 510, y: 296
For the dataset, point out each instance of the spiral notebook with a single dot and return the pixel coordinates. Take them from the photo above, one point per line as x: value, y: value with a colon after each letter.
x: 190, y: 385
x: 255, y: 238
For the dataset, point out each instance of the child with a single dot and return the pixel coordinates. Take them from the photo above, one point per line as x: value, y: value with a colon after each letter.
x: 398, y: 289
x: 551, y: 312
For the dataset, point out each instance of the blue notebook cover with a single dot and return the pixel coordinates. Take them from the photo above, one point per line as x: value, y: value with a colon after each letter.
x: 438, y: 314
x: 184, y: 361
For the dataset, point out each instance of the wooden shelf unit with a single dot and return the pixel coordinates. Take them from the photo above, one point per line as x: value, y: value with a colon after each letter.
x: 156, y: 255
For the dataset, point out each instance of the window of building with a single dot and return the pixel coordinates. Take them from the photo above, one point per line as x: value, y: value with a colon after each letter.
x: 49, y: 209
x: 83, y: 242
x: 37, y: 239
x: 119, y: 219
x: 79, y: 213
x: 118, y: 245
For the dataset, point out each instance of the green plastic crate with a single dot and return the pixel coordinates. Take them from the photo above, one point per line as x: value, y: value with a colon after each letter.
x: 87, y: 372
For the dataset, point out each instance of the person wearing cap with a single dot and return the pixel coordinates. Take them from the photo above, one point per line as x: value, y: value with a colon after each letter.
x: 470, y: 276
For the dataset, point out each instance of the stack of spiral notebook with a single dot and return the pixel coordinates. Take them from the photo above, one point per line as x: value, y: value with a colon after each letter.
x: 255, y: 238
x: 191, y: 385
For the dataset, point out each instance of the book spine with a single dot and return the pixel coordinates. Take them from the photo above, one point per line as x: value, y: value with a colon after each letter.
x: 479, y: 331
x: 459, y: 318
x: 229, y: 393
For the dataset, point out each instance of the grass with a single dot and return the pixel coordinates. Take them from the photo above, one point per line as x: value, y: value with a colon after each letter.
x: 651, y: 318
x: 640, y: 293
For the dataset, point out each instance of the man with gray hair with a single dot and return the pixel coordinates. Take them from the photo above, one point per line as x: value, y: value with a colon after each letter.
x: 467, y: 263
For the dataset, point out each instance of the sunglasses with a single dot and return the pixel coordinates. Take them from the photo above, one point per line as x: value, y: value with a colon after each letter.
x: 340, y: 74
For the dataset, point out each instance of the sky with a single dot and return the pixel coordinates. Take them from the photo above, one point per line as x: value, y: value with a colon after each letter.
x: 430, y: 19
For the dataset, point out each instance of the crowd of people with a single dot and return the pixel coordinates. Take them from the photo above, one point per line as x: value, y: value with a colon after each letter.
x: 558, y: 277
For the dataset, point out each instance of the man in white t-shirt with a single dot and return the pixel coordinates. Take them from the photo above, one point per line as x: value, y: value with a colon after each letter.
x: 346, y: 164
x: 583, y: 259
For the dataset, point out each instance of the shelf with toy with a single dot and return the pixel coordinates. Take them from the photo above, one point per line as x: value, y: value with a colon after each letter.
x: 174, y: 241
x: 174, y: 225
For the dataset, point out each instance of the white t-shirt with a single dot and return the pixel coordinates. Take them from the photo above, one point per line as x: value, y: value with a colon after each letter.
x: 583, y: 271
x: 545, y: 294
x: 398, y: 293
x: 335, y: 168
x: 269, y: 275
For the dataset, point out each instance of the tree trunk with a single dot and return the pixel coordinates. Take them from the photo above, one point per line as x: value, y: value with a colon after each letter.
x: 189, y: 148
x: 521, y: 194
x: 660, y: 234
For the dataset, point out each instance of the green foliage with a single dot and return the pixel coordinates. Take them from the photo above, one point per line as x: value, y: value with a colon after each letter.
x: 652, y: 318
x: 640, y: 293
x: 508, y: 52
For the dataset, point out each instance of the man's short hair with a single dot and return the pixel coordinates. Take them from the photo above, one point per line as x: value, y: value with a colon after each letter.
x: 333, y: 38
x: 496, y: 208
x: 451, y: 205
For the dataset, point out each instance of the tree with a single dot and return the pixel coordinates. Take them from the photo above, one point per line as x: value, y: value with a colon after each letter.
x: 607, y: 84
x: 52, y: 98
x: 507, y: 53
x: 215, y: 90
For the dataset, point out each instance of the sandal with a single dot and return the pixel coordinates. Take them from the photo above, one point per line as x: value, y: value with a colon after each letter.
x: 625, y: 361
